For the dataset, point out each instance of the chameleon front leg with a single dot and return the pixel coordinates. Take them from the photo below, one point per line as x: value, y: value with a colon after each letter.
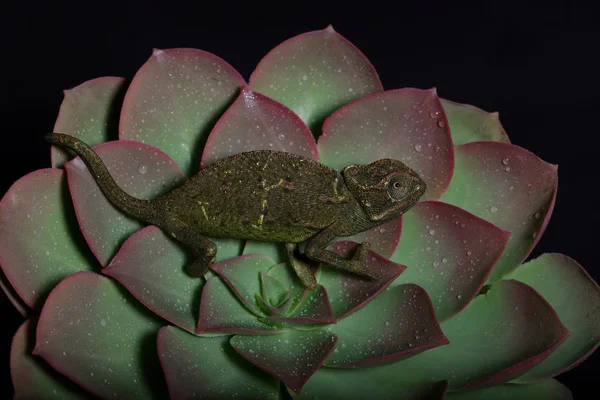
x: 316, y: 250
x: 302, y: 270
x: 203, y: 249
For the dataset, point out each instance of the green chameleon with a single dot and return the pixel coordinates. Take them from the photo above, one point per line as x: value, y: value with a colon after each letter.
x: 269, y: 196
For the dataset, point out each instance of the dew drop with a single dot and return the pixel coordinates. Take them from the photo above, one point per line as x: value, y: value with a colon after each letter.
x: 142, y: 169
x: 434, y: 114
x: 387, y: 323
x: 507, y: 169
x: 304, y: 77
x: 537, y: 215
x: 441, y: 123
x: 444, y: 260
x: 493, y: 209
x: 459, y: 296
x: 103, y: 322
x: 432, y: 232
x: 281, y: 136
x: 505, y: 161
x: 469, y: 252
x: 418, y: 147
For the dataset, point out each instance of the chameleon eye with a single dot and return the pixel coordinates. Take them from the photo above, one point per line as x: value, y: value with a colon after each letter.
x: 397, y: 191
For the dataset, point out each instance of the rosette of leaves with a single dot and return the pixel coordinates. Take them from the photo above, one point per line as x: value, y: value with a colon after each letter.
x: 457, y: 313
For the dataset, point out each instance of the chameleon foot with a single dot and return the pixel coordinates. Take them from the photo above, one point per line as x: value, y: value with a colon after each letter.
x: 358, y: 264
x: 303, y: 270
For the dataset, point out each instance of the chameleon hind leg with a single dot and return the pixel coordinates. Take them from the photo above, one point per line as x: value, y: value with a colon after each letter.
x: 204, y: 250
x: 303, y: 270
x: 316, y: 250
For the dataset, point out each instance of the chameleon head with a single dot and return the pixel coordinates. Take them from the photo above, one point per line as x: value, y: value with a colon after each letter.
x: 385, y: 188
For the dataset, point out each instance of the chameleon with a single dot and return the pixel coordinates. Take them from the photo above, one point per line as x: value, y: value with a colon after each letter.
x: 273, y: 196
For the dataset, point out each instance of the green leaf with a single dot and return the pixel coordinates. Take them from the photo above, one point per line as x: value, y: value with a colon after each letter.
x: 499, y: 336
x: 174, y: 100
x: 576, y: 298
x: 40, y: 242
x: 509, y: 187
x: 32, y: 377
x: 471, y: 124
x: 209, y: 368
x: 314, y: 74
x: 93, y: 332
x: 90, y: 112
x: 548, y: 389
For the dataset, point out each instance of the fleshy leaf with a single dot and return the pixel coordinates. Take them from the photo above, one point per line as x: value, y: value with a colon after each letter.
x: 383, y: 238
x: 286, y: 275
x: 208, y: 368
x: 548, y: 389
x: 90, y: 112
x: 292, y: 357
x: 508, y: 186
x: 315, y: 73
x: 404, y: 124
x: 256, y: 122
x: 449, y: 252
x: 496, y: 338
x: 348, y: 292
x: 576, y: 298
x: 471, y: 124
x: 221, y: 311
x: 34, y: 379
x: 13, y: 297
x: 313, y: 308
x: 93, y: 332
x: 272, y: 250
x: 242, y: 274
x: 174, y: 100
x: 272, y: 289
x: 151, y: 266
x: 366, y: 383
x: 142, y: 171
x: 40, y: 242
x: 398, y: 323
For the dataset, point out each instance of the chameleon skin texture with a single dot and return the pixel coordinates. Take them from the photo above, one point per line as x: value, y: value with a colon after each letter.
x: 269, y: 196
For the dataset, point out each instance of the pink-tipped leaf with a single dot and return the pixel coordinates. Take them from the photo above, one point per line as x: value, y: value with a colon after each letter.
x: 315, y: 73
x: 292, y: 357
x: 256, y: 122
x: 409, y: 125
x: 209, y: 368
x: 471, y: 124
x: 576, y: 298
x: 90, y: 112
x: 349, y: 292
x: 508, y: 186
x: 32, y: 377
x: 93, y: 332
x: 140, y: 170
x: 313, y: 308
x: 515, y: 330
x: 151, y: 266
x: 39, y: 239
x: 174, y: 100
x: 397, y: 324
x: 449, y: 252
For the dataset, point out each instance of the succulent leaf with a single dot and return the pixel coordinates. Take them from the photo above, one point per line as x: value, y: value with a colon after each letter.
x: 404, y: 124
x: 547, y: 389
x: 32, y: 377
x: 272, y: 290
x: 270, y: 249
x: 256, y: 122
x: 471, y: 124
x: 397, y: 324
x: 174, y: 100
x: 366, y: 383
x: 348, y: 292
x: 242, y: 274
x: 140, y: 170
x: 315, y: 73
x: 508, y: 186
x: 40, y: 242
x: 13, y: 297
x: 209, y: 368
x: 221, y: 311
x: 151, y: 266
x: 93, y: 332
x: 313, y: 308
x: 292, y: 356
x: 383, y: 238
x: 89, y: 112
x: 576, y: 298
x: 449, y: 252
x: 515, y: 329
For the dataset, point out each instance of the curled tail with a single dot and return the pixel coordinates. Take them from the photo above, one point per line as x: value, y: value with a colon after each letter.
x: 143, y: 210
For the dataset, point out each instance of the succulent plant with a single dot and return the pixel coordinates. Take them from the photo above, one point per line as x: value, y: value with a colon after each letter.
x: 456, y: 312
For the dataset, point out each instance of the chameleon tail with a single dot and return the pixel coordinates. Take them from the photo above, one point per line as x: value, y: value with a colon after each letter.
x: 140, y: 209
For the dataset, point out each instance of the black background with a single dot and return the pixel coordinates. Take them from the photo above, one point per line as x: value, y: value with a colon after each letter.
x: 537, y: 66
